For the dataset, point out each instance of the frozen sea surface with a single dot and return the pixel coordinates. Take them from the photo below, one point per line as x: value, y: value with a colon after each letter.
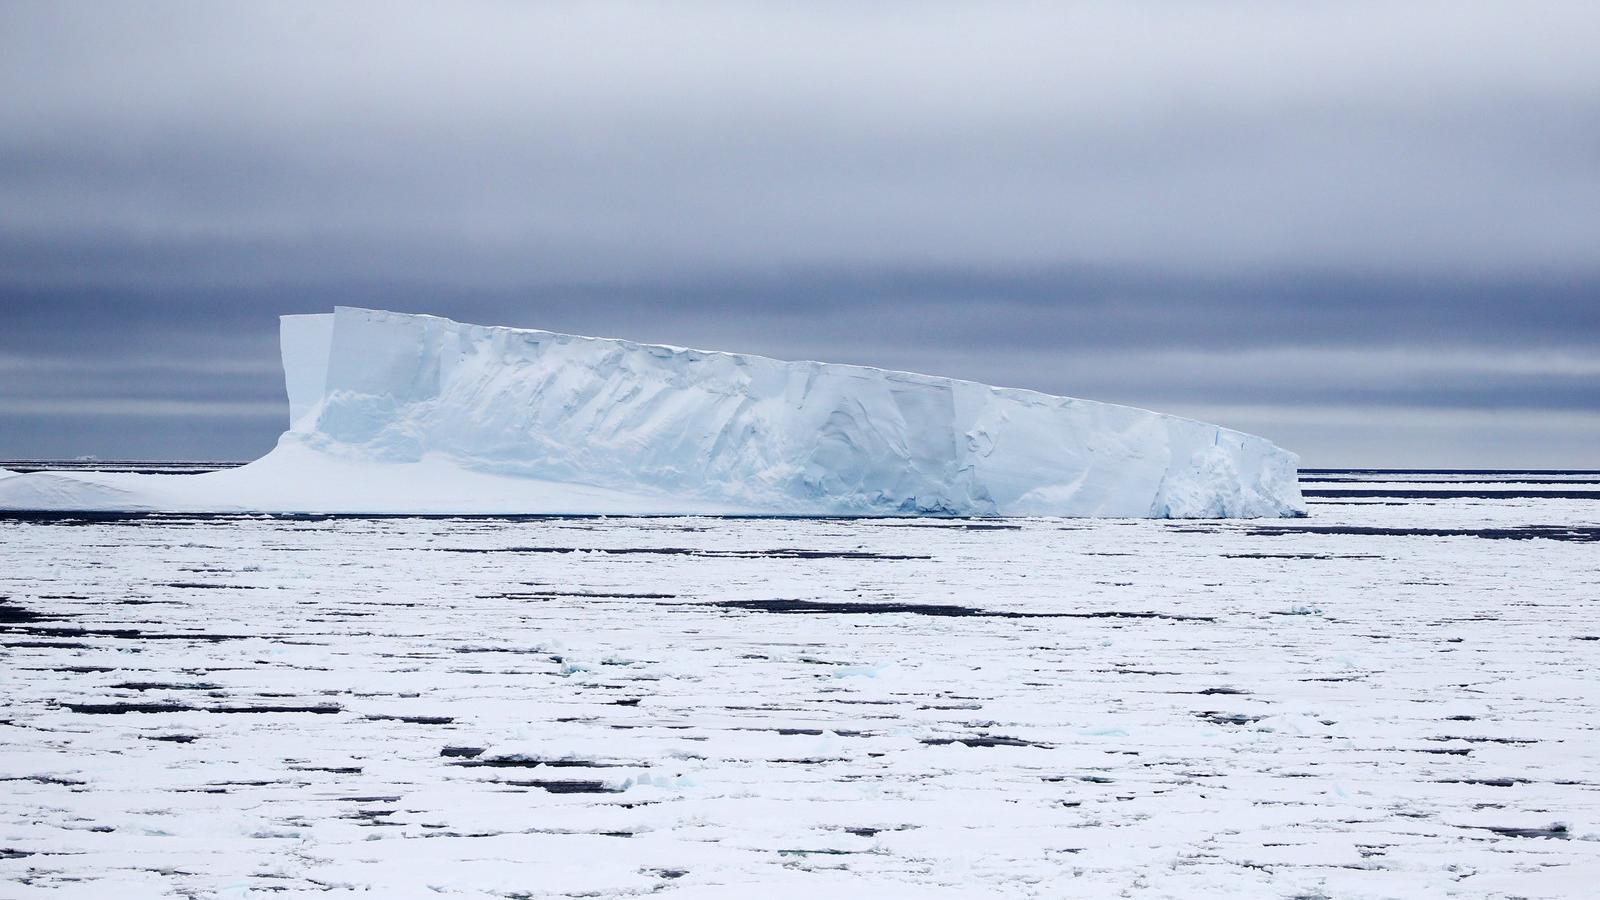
x: 1397, y: 697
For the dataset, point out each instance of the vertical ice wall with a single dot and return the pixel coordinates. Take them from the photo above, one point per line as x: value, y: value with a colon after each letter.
x: 304, y: 342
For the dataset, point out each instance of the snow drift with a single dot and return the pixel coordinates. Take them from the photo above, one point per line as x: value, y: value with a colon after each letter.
x: 406, y: 413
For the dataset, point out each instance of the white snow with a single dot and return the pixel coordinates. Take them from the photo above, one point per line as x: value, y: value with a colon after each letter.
x: 296, y: 478
x: 1324, y: 713
x: 406, y: 413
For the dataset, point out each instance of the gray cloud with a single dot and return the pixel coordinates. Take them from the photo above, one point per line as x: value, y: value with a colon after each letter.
x: 1201, y: 206
x: 501, y: 142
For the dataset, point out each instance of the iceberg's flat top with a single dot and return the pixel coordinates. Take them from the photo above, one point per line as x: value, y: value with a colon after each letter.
x: 393, y: 413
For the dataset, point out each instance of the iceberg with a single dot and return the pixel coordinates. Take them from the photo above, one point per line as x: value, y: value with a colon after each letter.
x: 393, y: 413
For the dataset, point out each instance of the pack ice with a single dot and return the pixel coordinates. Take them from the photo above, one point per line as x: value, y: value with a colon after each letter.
x: 394, y: 413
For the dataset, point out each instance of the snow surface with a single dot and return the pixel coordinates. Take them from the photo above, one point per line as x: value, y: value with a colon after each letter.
x: 1393, y: 699
x: 406, y: 413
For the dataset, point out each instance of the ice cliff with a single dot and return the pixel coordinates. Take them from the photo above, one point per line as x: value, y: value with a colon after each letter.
x: 407, y: 413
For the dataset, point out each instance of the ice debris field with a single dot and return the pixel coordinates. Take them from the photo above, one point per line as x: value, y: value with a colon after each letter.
x: 1393, y: 698
x: 393, y: 413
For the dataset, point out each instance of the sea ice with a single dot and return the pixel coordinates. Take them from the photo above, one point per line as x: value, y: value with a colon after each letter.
x: 472, y: 709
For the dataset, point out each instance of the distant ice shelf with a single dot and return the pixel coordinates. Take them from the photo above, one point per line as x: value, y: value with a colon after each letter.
x: 394, y: 413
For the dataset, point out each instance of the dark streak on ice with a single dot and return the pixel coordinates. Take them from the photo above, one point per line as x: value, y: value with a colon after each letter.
x: 1579, y: 534
x: 983, y: 740
x: 1557, y: 831
x: 117, y: 709
x: 1222, y: 718
x: 840, y: 607
x: 569, y: 787
x: 121, y: 634
x: 960, y: 526
x: 1450, y: 494
x: 321, y: 709
x: 526, y: 762
x: 606, y: 595
x: 1301, y: 556
x: 779, y: 553
x: 12, y: 614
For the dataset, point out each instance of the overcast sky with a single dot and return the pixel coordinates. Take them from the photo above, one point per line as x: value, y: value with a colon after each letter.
x: 1369, y: 231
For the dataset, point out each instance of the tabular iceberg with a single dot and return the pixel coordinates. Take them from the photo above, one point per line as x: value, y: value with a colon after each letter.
x: 407, y: 413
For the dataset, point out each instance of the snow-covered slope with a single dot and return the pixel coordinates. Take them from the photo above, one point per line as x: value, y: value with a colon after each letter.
x: 405, y: 413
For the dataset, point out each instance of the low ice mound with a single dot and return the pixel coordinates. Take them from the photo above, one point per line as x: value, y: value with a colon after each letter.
x: 405, y: 413
x: 53, y: 490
